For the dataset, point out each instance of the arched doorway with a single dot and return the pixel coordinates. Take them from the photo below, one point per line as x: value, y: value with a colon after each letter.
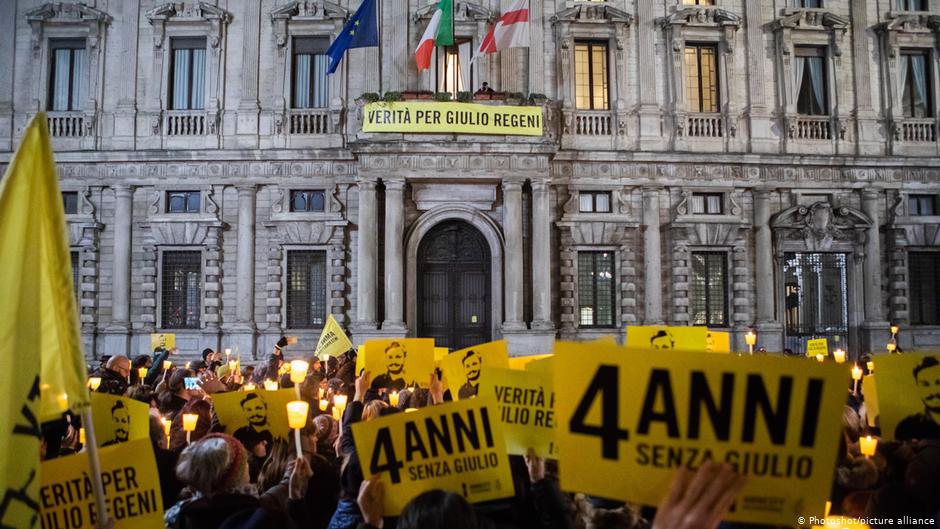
x: 454, y: 286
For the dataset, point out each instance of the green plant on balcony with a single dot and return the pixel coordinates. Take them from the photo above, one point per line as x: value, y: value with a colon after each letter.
x: 537, y: 99
x: 368, y: 97
x: 391, y: 97
x: 464, y: 97
x: 514, y: 98
x: 442, y: 96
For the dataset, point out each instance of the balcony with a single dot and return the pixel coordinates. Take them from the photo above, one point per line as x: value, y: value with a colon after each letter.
x: 812, y: 128
x: 185, y: 123
x: 66, y: 124
x: 704, y: 125
x: 592, y: 122
x: 310, y: 121
x: 915, y: 130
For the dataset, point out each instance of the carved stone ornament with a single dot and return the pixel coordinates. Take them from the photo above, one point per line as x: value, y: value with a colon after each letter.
x: 66, y: 13
x: 309, y: 10
x: 463, y: 12
x: 593, y: 14
x: 702, y: 16
x: 820, y: 225
x: 189, y: 12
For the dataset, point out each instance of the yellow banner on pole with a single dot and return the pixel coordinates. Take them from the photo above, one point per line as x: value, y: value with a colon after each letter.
x: 333, y: 340
x: 908, y: 396
x: 665, y: 337
x: 250, y: 416
x: 119, y: 419
x: 131, y: 488
x: 462, y: 368
x: 455, y: 118
x: 629, y: 413
x: 526, y: 401
x: 457, y: 446
x: 819, y: 346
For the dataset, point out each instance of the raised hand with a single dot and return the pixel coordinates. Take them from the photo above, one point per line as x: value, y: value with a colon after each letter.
x: 699, y: 501
x: 371, y: 499
x: 363, y: 383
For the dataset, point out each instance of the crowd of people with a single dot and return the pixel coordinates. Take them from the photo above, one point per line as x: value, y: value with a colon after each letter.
x: 215, y: 480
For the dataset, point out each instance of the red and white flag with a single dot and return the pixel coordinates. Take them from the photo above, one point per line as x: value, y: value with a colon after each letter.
x: 510, y: 31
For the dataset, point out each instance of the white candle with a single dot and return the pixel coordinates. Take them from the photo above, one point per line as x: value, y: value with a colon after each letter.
x: 839, y: 355
x: 298, y: 371
x: 856, y: 373
x: 270, y: 385
x: 868, y: 445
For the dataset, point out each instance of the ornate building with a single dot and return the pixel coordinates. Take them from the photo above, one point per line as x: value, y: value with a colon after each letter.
x: 760, y: 164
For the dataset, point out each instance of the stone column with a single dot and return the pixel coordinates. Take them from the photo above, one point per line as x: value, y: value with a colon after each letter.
x: 117, y: 338
x: 762, y: 139
x: 541, y: 255
x: 647, y: 27
x: 513, y: 275
x: 366, y: 248
x: 874, y: 302
x: 394, y: 251
x: 763, y: 257
x: 867, y: 135
x: 245, y: 264
x: 652, y: 258
x: 247, y: 123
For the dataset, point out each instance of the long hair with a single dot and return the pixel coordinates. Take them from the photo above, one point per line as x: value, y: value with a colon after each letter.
x: 437, y: 509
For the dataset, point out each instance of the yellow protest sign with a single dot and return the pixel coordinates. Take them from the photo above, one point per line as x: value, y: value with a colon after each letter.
x: 718, y: 342
x: 819, y: 346
x: 629, y: 413
x: 457, y: 446
x: 131, y: 488
x: 520, y: 362
x: 526, y: 408
x: 360, y: 359
x: 908, y: 398
x: 397, y: 363
x: 665, y: 337
x: 440, y: 353
x: 254, y: 415
x: 870, y: 393
x: 461, y: 118
x: 462, y: 368
x: 543, y: 365
x: 162, y: 341
x: 119, y: 419
x: 333, y: 340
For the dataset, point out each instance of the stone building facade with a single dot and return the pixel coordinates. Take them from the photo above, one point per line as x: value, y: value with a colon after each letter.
x: 753, y: 164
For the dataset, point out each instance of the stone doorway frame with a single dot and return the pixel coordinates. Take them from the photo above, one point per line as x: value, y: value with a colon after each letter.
x: 494, y: 237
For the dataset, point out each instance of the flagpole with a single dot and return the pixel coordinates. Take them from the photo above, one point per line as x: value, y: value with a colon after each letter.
x: 95, y: 466
x: 378, y: 24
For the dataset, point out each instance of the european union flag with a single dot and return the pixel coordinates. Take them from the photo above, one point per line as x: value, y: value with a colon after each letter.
x: 361, y: 31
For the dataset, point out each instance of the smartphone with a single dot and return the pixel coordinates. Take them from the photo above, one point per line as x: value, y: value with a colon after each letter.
x: 191, y: 382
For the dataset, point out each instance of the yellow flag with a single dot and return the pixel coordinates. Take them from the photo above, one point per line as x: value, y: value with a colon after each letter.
x: 333, y: 340
x: 37, y: 319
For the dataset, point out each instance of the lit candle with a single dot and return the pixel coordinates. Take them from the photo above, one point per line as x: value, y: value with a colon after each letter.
x: 839, y: 355
x: 868, y: 445
x: 871, y: 367
x: 324, y: 404
x: 81, y: 435
x: 856, y: 373
x: 298, y: 371
x: 337, y: 415
x: 750, y: 339
x: 820, y: 357
x: 189, y: 424
x: 141, y: 374
x: 187, y: 365
x: 228, y: 352
x: 249, y: 386
x: 339, y: 401
x: 94, y: 382
x: 232, y: 367
x: 393, y: 399
x: 409, y: 410
x: 895, y: 329
x: 297, y: 419
x: 321, y: 393
x: 892, y: 347
x: 166, y: 365
x: 270, y: 385
x: 167, y: 423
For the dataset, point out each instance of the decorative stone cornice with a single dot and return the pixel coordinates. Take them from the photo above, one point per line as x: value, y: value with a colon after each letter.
x: 593, y: 14
x: 188, y: 12
x: 66, y: 13
x: 707, y: 16
x: 820, y: 226
x: 463, y: 12
x: 304, y: 11
x: 811, y: 19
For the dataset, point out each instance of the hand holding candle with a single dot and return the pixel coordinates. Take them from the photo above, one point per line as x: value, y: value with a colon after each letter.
x: 324, y: 404
x: 393, y: 399
x: 339, y: 402
x: 166, y: 365
x: 820, y: 357
x: 270, y: 385
x: 856, y: 373
x: 141, y: 374
x: 868, y: 445
x: 297, y: 418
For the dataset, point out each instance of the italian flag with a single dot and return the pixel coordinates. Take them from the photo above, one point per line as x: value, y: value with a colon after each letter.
x: 440, y: 32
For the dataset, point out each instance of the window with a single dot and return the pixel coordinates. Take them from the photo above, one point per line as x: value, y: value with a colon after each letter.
x: 701, y: 73
x: 307, y: 201
x: 76, y: 277
x: 914, y: 74
x: 594, y: 201
x: 452, y: 72
x: 188, y: 74
x: 311, y: 89
x: 590, y: 74
x: 809, y: 66
x: 596, y: 289
x: 306, y: 289
x: 922, y: 205
x: 182, y: 201
x: 912, y: 5
x: 70, y: 202
x: 708, y: 289
x: 925, y: 287
x: 813, y: 4
x: 707, y: 204
x: 181, y: 290
x: 68, y: 68
x: 699, y: 2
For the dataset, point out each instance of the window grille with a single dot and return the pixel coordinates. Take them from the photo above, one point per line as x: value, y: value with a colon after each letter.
x: 181, y: 290
x: 306, y: 289
x: 596, y: 289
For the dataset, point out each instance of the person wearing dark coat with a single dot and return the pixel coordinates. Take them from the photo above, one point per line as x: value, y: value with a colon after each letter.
x: 115, y: 376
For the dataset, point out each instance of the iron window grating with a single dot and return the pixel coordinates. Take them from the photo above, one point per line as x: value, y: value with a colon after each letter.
x: 924, y: 287
x: 306, y: 289
x: 708, y: 288
x: 181, y: 290
x: 596, y: 289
